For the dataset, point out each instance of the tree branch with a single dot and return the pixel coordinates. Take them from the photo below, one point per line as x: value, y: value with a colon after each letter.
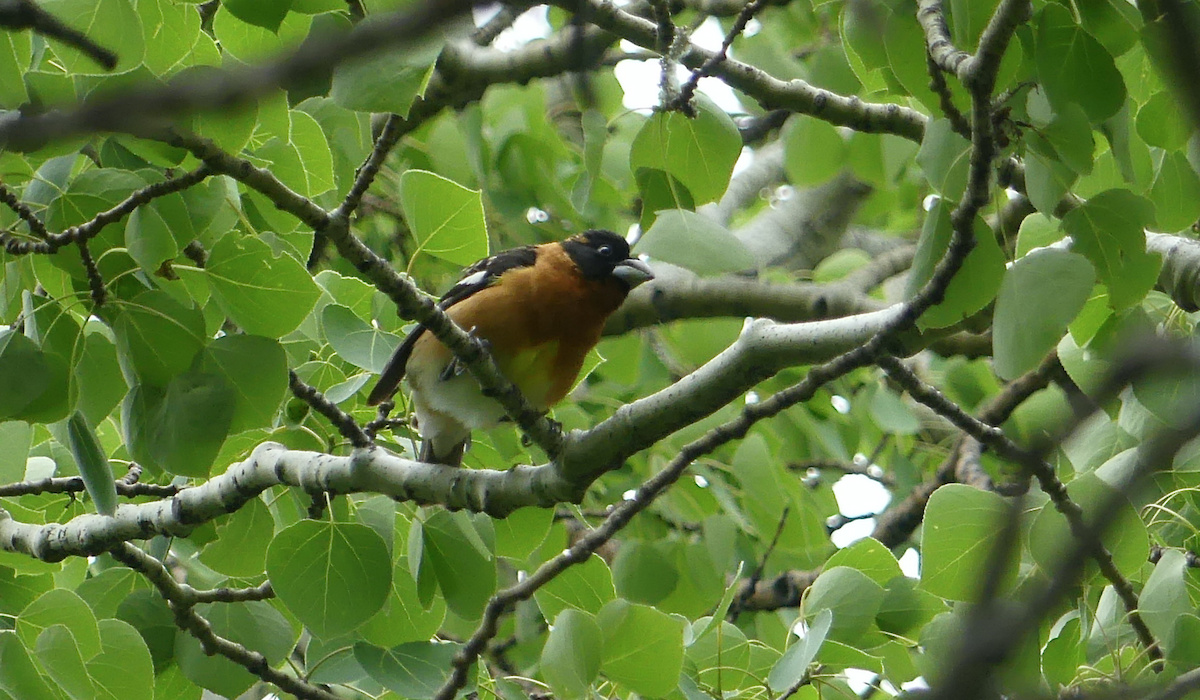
x: 127, y: 109
x: 183, y: 600
x: 770, y: 92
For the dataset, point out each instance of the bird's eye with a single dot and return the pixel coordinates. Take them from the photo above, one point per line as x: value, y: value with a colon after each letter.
x: 605, y: 250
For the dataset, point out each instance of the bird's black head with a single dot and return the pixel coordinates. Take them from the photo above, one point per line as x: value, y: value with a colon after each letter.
x: 599, y: 254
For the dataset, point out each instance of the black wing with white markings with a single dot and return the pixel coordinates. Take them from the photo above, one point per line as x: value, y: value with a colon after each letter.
x: 481, y: 275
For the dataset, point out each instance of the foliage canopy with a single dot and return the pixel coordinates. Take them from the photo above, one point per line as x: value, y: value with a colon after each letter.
x: 963, y: 231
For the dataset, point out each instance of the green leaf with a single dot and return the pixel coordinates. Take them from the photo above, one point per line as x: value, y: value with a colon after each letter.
x: 642, y: 574
x: 794, y: 663
x: 149, y: 239
x: 415, y: 670
x: 93, y: 464
x: 870, y: 557
x: 18, y: 676
x: 722, y: 607
x: 814, y: 151
x: 1071, y: 136
x: 105, y: 591
x: 695, y: 242
x: 466, y: 575
x: 660, y: 191
x: 446, y: 218
x: 572, y: 655
x: 60, y: 656
x: 61, y: 607
x: 699, y: 153
x: 98, y: 378
x: 1109, y: 229
x: 1114, y: 23
x: 1160, y: 122
x: 14, y: 48
x: 113, y: 24
x: 157, y: 337
x: 263, y: 293
x: 355, y: 341
x: 1063, y: 654
x: 153, y: 620
x: 890, y: 413
x: 249, y: 43
x: 850, y: 595
x: 587, y: 587
x: 15, y: 437
x: 240, y: 548
x: 975, y: 284
x: 25, y: 373
x: 1184, y: 651
x: 643, y: 648
x: 1164, y: 598
x: 179, y: 429
x: 267, y: 14
x: 332, y: 576
x: 385, y: 81
x: 963, y: 526
x: 1175, y: 193
x: 1126, y: 539
x: 1041, y: 293
x: 304, y: 162
x: 906, y: 607
x: 403, y: 619
x: 719, y: 659
x: 522, y: 531
x: 172, y: 35
x: 1046, y: 181
x: 254, y: 624
x: 255, y: 368
x: 123, y: 668
x: 945, y: 157
x: 1075, y: 68
x: 1037, y: 231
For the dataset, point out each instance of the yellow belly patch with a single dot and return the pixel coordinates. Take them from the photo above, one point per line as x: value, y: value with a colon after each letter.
x: 531, y: 369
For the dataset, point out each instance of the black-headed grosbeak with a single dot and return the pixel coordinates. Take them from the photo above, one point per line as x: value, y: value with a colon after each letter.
x: 540, y: 309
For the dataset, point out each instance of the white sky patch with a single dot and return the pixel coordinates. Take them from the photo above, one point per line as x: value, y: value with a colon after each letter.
x: 745, y: 160
x: 859, y: 495
x: 910, y: 563
x: 859, y: 680
x: 701, y: 481
x: 640, y: 81
x: 840, y: 404
x: 529, y: 26
x: 852, y: 532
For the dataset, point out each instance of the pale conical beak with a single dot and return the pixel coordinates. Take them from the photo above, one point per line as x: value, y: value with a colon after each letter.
x: 632, y: 272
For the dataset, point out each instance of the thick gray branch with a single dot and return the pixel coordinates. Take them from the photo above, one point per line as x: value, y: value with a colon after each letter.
x: 763, y: 349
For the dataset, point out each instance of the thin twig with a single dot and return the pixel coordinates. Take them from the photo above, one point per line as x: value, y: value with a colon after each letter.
x: 1047, y: 477
x: 736, y: 608
x: 10, y: 199
x: 683, y: 101
x: 344, y: 422
x: 16, y: 15
x: 937, y: 83
x: 52, y: 242
x: 144, y: 107
x: 183, y: 599
x: 74, y: 484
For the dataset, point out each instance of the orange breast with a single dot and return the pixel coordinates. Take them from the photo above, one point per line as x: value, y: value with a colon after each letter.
x: 541, y: 322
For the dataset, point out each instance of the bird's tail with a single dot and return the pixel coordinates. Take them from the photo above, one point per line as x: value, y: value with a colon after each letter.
x: 451, y: 457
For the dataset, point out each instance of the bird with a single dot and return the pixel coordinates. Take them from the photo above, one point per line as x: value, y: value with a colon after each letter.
x: 539, y: 310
